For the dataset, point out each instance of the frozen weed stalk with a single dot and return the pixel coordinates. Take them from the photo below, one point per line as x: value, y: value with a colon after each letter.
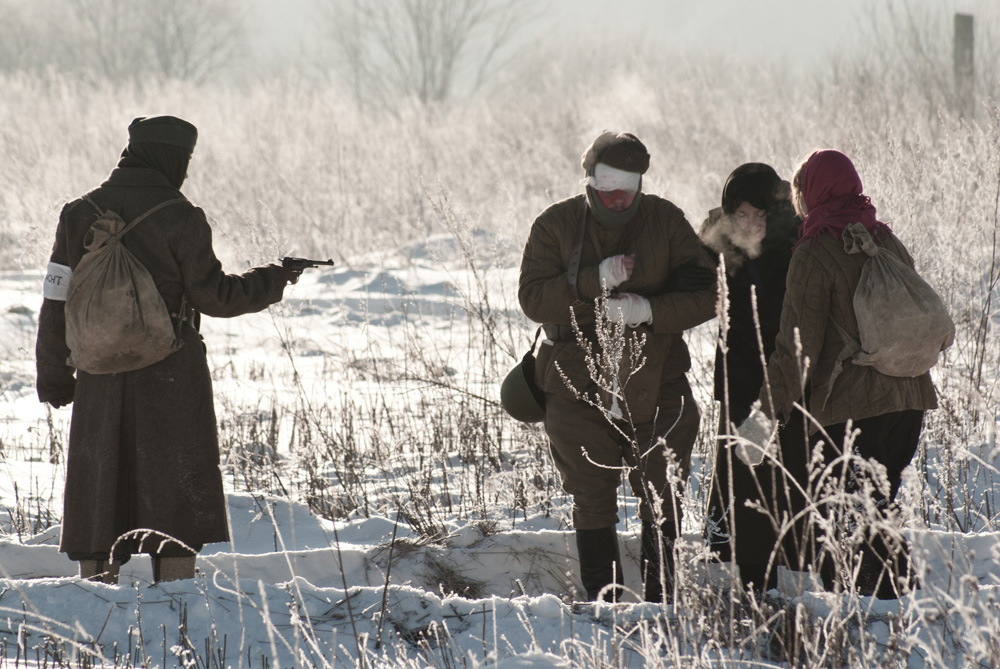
x: 357, y: 411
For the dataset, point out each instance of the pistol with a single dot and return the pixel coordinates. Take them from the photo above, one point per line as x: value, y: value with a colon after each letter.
x: 299, y: 264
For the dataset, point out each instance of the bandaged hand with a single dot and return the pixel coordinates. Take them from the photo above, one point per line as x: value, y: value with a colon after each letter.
x: 616, y: 270
x: 631, y: 308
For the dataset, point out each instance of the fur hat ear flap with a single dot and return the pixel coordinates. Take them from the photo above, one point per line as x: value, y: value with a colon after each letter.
x: 782, y: 191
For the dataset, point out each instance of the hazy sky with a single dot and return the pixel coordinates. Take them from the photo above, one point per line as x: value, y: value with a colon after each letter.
x: 805, y: 31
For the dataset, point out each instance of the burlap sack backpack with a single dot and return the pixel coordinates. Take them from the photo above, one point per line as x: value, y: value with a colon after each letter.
x: 116, y: 319
x: 903, y: 322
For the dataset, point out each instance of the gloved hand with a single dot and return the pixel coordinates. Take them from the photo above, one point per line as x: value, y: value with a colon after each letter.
x: 633, y: 309
x: 283, y: 275
x: 56, y: 385
x: 61, y: 402
x: 690, y: 278
x: 616, y: 270
x: 756, y: 435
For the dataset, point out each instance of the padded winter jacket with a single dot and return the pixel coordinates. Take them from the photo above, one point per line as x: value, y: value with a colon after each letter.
x: 819, y: 297
x: 662, y: 240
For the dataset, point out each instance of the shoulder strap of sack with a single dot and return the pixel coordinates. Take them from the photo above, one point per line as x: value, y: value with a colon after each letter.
x: 574, y: 260
x: 141, y: 216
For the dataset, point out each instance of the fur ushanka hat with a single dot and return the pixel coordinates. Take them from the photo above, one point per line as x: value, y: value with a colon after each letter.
x: 621, y: 150
x: 756, y: 183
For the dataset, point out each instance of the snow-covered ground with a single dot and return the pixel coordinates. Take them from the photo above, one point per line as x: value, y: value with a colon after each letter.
x: 493, y: 585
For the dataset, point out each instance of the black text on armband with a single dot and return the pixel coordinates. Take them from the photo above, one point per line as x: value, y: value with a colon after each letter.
x: 56, y: 284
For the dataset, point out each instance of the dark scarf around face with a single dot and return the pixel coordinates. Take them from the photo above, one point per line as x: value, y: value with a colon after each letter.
x: 606, y: 217
x: 169, y: 160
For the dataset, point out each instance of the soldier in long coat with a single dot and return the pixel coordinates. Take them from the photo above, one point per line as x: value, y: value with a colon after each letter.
x: 143, y: 449
x: 619, y: 239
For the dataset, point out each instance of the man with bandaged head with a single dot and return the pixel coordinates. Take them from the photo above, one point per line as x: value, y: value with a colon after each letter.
x: 143, y: 450
x: 641, y: 252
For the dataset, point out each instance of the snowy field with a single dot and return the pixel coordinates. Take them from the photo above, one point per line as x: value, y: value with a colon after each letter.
x: 384, y: 511
x: 453, y: 550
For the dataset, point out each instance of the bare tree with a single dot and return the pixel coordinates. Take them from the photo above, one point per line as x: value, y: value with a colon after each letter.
x: 422, y: 49
x: 108, y: 37
x: 191, y: 40
x: 16, y: 38
x: 197, y: 38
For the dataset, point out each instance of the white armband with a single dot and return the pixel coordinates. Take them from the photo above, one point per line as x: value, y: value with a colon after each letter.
x: 56, y: 286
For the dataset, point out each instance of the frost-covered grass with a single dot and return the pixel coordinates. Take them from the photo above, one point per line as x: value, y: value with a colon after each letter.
x: 384, y: 510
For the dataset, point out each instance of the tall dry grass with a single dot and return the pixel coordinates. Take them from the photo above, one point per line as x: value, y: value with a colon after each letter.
x: 286, y: 166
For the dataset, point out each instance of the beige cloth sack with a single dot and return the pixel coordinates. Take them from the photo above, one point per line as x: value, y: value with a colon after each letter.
x: 903, y: 322
x: 116, y: 319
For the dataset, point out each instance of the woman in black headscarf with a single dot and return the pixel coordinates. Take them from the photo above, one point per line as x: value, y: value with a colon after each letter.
x: 752, y: 233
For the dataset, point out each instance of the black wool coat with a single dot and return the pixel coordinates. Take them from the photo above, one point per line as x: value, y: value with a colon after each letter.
x: 143, y: 448
x: 764, y: 269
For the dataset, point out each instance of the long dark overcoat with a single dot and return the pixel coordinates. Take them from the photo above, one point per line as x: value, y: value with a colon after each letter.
x: 739, y: 376
x: 143, y: 447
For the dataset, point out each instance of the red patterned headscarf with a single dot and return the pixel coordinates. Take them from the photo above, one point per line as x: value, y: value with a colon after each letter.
x: 832, y: 192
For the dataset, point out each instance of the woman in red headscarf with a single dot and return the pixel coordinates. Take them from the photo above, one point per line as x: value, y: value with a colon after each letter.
x: 878, y: 418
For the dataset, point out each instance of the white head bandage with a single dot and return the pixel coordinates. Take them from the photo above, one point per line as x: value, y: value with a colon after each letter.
x: 56, y: 285
x: 609, y: 178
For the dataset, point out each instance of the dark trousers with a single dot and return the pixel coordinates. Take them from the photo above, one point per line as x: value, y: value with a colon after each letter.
x: 591, y: 455
x: 752, y: 509
x: 890, y: 440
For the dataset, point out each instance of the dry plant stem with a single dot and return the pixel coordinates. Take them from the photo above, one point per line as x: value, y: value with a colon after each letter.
x: 946, y: 208
x: 722, y: 312
x: 347, y: 596
x: 993, y: 281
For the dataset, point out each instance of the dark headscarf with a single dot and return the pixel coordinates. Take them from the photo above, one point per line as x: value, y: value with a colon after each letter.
x: 755, y: 183
x: 162, y: 143
x: 832, y: 192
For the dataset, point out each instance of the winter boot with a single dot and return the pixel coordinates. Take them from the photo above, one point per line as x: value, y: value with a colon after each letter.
x: 600, y: 563
x: 100, y: 571
x: 657, y: 542
x: 173, y: 568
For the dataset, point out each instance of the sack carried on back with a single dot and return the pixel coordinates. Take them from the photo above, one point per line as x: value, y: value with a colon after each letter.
x: 903, y: 322
x: 116, y: 319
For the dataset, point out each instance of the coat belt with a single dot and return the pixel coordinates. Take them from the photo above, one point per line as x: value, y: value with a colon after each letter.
x: 559, y: 332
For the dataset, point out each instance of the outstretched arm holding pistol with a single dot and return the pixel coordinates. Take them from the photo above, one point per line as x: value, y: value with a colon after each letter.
x: 297, y: 265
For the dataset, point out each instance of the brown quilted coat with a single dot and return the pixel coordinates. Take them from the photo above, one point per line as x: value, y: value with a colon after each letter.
x: 143, y: 447
x: 662, y: 239
x: 822, y: 279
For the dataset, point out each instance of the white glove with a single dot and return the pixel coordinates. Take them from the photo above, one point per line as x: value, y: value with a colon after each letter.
x: 629, y: 307
x: 616, y: 270
x: 756, y: 434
